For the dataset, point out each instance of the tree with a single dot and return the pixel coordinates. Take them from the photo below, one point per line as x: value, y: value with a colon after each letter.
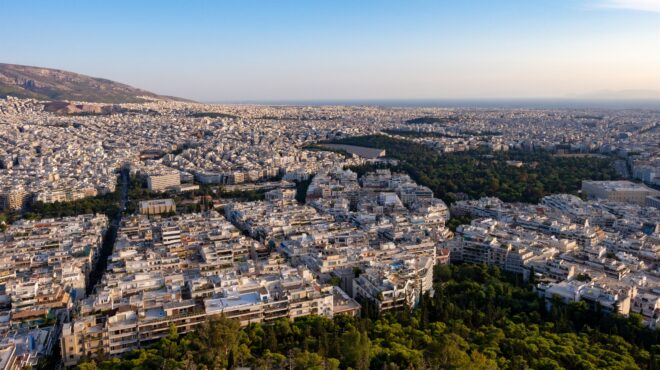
x: 480, y: 362
x: 484, y: 173
x: 216, y: 339
x: 355, y: 349
x: 307, y: 360
x: 88, y: 366
x: 270, y: 339
x: 479, y: 318
x: 445, y: 352
x: 3, y: 222
x: 335, y: 280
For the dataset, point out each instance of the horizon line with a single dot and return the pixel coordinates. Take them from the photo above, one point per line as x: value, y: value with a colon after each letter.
x: 563, y: 102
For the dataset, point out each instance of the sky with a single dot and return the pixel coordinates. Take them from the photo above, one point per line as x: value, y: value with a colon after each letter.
x: 278, y: 50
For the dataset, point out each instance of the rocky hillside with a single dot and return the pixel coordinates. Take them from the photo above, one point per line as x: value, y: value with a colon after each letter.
x: 53, y: 84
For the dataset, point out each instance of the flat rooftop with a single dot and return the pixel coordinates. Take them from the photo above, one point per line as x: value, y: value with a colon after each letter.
x: 156, y: 202
x: 619, y: 185
x: 245, y: 299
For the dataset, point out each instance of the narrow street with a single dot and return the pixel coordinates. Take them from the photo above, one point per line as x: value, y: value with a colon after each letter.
x: 110, y: 235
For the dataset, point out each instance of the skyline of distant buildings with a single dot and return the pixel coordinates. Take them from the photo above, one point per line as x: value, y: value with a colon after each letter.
x: 356, y: 241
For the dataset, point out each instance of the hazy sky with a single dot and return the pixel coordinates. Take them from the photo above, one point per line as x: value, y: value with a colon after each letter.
x: 333, y: 49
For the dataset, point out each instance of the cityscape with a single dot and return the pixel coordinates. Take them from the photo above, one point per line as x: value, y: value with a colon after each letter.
x: 147, y: 231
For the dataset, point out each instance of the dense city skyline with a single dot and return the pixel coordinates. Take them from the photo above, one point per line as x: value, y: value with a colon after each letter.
x: 142, y: 234
x: 264, y: 51
x: 330, y: 184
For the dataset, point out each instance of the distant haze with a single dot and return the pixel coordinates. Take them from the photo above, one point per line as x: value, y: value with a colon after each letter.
x: 247, y: 50
x: 570, y: 103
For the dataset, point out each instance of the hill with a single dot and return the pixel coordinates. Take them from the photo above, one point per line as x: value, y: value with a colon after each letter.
x: 54, y: 84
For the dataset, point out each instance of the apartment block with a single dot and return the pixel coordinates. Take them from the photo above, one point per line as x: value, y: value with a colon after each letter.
x: 162, y: 182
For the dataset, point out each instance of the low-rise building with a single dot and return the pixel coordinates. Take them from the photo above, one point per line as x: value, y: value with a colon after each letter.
x: 618, y: 191
x: 157, y: 206
x: 163, y: 181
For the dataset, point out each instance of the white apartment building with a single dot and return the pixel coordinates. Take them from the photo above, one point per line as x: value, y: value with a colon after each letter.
x: 162, y: 182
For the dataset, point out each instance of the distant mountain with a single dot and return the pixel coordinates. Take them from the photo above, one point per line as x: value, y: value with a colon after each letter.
x: 54, y: 84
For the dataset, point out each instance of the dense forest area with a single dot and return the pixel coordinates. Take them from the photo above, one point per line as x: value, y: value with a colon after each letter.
x: 431, y: 120
x: 478, y: 173
x: 477, y: 318
x: 107, y: 204
x: 192, y: 201
x: 421, y: 134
